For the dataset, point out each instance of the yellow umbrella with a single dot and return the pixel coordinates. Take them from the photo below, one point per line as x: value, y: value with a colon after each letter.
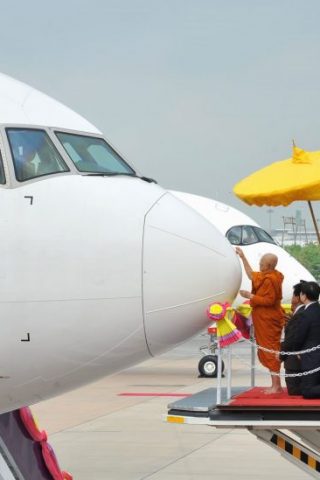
x: 281, y: 183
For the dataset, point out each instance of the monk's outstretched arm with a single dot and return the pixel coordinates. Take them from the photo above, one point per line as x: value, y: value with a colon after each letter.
x: 245, y: 262
x: 267, y: 297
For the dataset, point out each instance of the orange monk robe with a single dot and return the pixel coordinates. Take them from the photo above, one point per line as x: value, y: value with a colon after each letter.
x: 267, y: 315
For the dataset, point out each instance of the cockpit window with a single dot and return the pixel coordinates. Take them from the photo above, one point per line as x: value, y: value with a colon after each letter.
x: 263, y: 236
x: 234, y: 235
x: 34, y: 154
x: 248, y: 235
x: 2, y: 175
x: 93, y: 155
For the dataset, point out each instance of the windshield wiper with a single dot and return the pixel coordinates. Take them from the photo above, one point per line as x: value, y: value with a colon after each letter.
x: 109, y: 174
x: 148, y: 179
x: 114, y: 174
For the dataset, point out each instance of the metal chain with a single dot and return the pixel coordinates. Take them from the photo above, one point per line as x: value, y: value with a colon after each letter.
x: 277, y: 374
x: 300, y: 374
x: 301, y: 352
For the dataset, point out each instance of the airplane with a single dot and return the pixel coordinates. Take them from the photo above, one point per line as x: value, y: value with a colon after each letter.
x: 243, y: 231
x: 101, y: 267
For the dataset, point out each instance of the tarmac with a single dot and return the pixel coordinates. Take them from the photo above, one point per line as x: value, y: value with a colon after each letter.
x: 99, y: 434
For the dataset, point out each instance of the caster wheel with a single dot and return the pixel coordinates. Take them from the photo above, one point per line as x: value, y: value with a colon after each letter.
x: 208, y: 366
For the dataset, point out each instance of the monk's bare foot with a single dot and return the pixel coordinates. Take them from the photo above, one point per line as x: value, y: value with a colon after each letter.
x: 273, y: 390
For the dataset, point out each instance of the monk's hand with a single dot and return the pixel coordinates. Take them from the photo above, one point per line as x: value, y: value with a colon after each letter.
x: 245, y: 294
x: 239, y: 252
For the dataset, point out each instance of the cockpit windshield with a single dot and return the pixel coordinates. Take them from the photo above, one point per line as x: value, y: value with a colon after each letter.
x: 248, y: 235
x: 34, y: 154
x: 93, y: 155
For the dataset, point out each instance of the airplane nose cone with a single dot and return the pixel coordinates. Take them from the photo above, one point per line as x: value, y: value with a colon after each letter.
x: 187, y: 264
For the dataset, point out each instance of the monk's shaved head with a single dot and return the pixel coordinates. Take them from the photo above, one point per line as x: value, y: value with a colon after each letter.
x: 268, y: 262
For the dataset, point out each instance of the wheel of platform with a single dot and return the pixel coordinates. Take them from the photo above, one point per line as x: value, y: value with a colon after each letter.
x: 208, y: 366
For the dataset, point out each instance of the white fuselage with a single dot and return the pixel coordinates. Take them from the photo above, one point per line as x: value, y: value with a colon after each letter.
x: 98, y: 272
x: 225, y: 218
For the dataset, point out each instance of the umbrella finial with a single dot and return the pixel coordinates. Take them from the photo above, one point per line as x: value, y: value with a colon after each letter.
x: 300, y: 156
x: 293, y: 143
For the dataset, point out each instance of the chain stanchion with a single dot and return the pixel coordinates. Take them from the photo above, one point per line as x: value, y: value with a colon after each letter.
x: 229, y: 372
x: 219, y: 375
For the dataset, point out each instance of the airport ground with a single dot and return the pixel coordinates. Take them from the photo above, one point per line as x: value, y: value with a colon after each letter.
x: 99, y: 434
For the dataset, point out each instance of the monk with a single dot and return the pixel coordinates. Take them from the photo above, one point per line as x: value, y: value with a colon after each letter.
x: 267, y: 314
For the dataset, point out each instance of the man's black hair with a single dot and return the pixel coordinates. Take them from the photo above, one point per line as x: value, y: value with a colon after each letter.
x: 311, y: 290
x: 297, y: 288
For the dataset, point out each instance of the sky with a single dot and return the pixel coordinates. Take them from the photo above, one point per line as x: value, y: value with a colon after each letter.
x: 194, y: 93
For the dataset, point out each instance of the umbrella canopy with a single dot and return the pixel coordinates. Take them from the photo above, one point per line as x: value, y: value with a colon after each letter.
x: 297, y: 178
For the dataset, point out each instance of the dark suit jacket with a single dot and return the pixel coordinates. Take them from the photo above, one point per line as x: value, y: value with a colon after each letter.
x: 291, y: 362
x: 308, y: 335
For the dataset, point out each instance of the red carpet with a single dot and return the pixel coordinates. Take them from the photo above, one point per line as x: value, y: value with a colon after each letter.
x: 255, y: 397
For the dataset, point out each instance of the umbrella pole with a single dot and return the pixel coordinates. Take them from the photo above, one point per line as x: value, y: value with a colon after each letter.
x: 314, y: 221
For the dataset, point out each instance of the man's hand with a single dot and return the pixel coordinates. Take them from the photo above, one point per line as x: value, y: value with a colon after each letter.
x: 239, y: 252
x: 245, y: 294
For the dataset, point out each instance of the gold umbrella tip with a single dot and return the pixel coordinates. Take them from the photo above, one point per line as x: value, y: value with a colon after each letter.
x: 299, y: 155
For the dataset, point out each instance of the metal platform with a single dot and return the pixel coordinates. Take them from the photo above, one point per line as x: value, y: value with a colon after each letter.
x: 201, y: 408
x: 204, y: 401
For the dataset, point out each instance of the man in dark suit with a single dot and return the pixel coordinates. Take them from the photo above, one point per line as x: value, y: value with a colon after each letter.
x: 308, y: 336
x: 292, y: 363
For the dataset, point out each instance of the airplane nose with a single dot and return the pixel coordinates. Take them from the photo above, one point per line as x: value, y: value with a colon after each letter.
x: 187, y: 264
